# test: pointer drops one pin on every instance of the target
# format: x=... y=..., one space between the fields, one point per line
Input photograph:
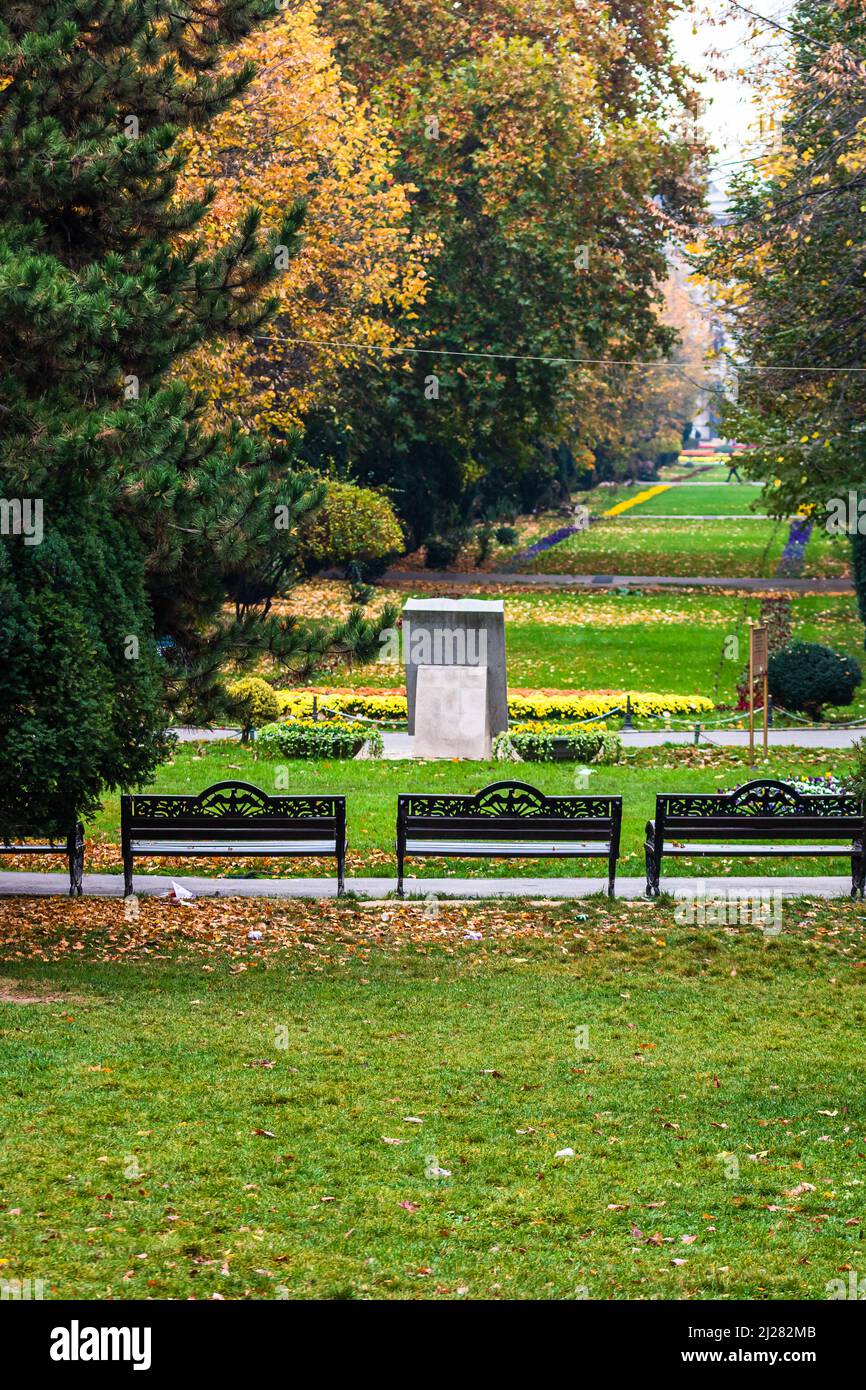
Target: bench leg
x=75 y=853
x=127 y=874
x=611 y=878
x=653 y=863
x=341 y=873
x=399 y=872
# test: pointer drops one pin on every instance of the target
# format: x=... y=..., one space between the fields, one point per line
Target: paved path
x=495 y=579
x=399 y=745
x=111 y=886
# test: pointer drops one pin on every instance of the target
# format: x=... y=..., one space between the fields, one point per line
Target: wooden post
x=757 y=667
x=751 y=697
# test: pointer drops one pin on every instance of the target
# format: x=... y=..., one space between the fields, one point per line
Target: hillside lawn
x=368 y=1103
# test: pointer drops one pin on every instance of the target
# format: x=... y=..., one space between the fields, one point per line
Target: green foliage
x=352 y=524
x=151 y=521
x=253 y=702
x=806 y=676
x=442 y=551
x=80 y=677
x=327 y=738
x=540 y=746
x=790 y=259
x=545 y=141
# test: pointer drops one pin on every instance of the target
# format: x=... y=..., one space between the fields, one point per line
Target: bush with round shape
x=254 y=703
x=807 y=676
x=327 y=738
x=352 y=524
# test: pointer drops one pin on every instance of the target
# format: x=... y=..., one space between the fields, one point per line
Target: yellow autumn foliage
x=300 y=131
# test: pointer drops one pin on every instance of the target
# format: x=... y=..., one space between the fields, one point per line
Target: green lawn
x=187 y=1116
x=726 y=499
x=372 y=788
x=634 y=543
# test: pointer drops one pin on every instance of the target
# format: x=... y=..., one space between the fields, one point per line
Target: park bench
x=508 y=820
x=232 y=818
x=19 y=840
x=759 y=818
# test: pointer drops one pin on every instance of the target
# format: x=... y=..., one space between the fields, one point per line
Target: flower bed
x=298 y=705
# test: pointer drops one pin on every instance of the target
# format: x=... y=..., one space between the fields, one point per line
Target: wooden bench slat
x=246 y=847
x=510 y=848
x=728 y=849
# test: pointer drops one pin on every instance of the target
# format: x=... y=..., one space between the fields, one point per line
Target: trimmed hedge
x=298 y=704
x=541 y=745
x=807 y=676
x=253 y=702
x=328 y=738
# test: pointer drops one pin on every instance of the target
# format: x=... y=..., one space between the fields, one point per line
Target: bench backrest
x=511 y=809
x=237 y=808
x=757 y=810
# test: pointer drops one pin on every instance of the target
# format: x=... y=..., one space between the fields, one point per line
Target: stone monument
x=454 y=654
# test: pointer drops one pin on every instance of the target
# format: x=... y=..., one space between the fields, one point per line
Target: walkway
x=148 y=885
x=399 y=745
x=487 y=579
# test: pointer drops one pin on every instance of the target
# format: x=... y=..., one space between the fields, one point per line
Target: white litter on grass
x=254 y=935
x=178 y=894
x=564 y=1153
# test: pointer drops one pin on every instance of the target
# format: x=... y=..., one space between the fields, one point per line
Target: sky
x=729 y=116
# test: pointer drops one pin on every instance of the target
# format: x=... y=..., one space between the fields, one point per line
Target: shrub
x=253 y=702
x=806 y=676
x=353 y=523
x=538 y=745
x=506 y=535
x=442 y=551
x=328 y=738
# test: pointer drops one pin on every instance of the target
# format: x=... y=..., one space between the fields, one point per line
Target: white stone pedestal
x=452 y=713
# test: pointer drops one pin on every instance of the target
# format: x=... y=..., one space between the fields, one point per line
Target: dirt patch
x=13 y=992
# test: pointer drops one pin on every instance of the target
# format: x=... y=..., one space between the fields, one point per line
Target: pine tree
x=164 y=544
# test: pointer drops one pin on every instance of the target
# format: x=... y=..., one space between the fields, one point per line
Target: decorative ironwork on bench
x=517 y=799
x=769 y=815
x=240 y=799
x=764 y=797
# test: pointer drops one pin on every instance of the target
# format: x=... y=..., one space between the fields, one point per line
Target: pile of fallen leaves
x=252 y=931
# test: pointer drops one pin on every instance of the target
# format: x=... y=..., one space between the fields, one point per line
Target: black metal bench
x=70 y=844
x=509 y=820
x=232 y=818
x=761 y=817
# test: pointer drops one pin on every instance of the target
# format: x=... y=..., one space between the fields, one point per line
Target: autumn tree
x=790 y=267
x=300 y=133
x=535 y=136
